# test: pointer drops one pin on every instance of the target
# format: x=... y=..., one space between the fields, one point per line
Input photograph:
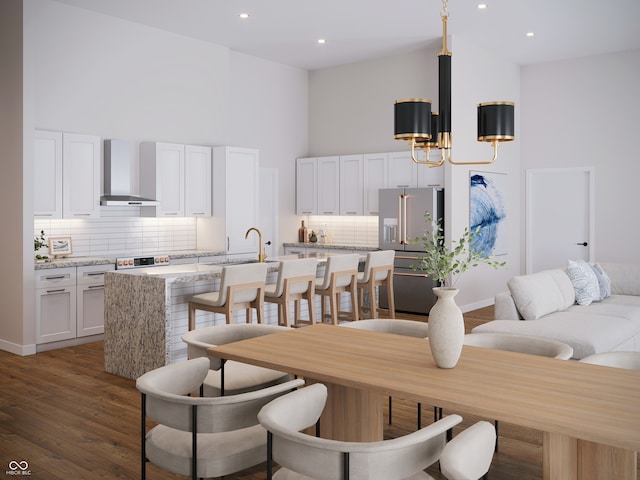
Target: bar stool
x=341 y=275
x=241 y=287
x=296 y=281
x=378 y=270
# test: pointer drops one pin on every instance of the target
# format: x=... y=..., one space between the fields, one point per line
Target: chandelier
x=424 y=130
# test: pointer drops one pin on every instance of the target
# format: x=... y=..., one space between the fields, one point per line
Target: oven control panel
x=137 y=262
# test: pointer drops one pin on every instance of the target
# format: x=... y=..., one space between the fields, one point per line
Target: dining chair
x=302 y=456
x=544 y=347
x=378 y=271
x=340 y=276
x=227 y=377
x=410 y=328
x=628 y=360
x=200 y=437
x=241 y=287
x=296 y=281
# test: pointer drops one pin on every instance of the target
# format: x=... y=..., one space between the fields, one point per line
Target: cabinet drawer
x=56 y=277
x=92 y=275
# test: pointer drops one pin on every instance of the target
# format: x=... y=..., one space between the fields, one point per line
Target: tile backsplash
x=117 y=232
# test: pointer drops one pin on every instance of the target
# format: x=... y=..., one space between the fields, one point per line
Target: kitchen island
x=146 y=312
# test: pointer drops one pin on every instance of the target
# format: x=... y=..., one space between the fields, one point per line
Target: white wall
x=352 y=105
x=582 y=113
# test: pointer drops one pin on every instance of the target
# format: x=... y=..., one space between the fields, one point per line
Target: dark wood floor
x=66 y=417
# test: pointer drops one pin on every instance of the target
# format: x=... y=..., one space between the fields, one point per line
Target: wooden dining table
x=589 y=414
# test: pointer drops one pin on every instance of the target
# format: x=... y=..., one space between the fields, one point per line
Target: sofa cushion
x=604 y=282
x=584 y=282
x=600 y=327
x=541 y=293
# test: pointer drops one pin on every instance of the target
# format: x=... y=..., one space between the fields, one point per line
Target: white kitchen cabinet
x=351 y=181
x=47 y=164
x=306 y=186
x=235 y=197
x=55 y=298
x=328 y=185
x=431 y=176
x=90 y=299
x=162 y=178
x=402 y=171
x=197 y=173
x=80 y=176
x=374 y=174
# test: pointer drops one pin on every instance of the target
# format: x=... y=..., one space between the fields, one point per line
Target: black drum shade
x=496 y=122
x=412 y=119
x=435 y=128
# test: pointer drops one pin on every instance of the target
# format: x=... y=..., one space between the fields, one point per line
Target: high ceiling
x=286 y=31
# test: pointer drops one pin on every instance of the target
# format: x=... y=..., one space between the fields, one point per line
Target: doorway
x=559 y=217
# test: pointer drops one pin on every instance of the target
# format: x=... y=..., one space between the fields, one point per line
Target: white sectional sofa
x=544 y=304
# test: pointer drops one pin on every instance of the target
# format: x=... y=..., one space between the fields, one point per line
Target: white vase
x=446 y=328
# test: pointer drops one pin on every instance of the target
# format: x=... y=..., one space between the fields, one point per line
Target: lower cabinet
x=69 y=303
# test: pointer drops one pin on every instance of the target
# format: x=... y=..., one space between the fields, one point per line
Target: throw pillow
x=584 y=282
x=604 y=281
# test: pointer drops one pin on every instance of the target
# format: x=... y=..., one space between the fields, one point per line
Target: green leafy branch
x=39 y=241
x=445 y=264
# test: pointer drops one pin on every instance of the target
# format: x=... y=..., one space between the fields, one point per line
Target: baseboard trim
x=22 y=350
x=476 y=305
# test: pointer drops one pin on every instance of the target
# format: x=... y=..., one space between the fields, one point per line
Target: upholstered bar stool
x=241 y=287
x=378 y=270
x=296 y=281
x=340 y=276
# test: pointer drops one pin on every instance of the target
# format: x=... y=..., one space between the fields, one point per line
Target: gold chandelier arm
x=495 y=157
x=427 y=151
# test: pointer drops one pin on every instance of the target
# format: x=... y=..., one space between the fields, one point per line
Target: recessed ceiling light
x=531 y=34
x=322 y=41
x=244 y=15
x=482 y=6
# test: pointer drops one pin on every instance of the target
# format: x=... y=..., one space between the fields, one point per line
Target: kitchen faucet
x=261 y=255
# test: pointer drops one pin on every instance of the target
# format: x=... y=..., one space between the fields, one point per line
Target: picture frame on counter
x=60 y=246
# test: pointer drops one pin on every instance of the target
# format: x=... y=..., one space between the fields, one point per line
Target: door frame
x=530 y=173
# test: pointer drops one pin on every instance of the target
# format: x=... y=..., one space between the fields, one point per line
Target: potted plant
x=445 y=264
x=39 y=242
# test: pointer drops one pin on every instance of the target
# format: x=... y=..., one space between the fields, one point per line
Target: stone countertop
x=333 y=246
x=106 y=260
x=190 y=272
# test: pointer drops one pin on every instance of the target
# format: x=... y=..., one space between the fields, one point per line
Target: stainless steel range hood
x=118 y=156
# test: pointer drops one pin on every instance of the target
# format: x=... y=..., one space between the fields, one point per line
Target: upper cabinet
x=47 y=159
x=328 y=185
x=162 y=178
x=374 y=173
x=66 y=175
x=178 y=177
x=351 y=182
x=235 y=197
x=197 y=172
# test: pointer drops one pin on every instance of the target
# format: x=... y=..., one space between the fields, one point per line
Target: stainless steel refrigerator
x=401 y=220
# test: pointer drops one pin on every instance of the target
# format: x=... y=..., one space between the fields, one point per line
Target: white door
x=559 y=217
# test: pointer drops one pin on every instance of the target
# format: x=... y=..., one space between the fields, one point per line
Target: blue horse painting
x=487 y=211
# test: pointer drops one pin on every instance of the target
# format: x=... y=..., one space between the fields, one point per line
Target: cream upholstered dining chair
x=296 y=281
x=340 y=276
x=241 y=287
x=544 y=347
x=628 y=360
x=303 y=457
x=410 y=328
x=227 y=377
x=378 y=271
x=201 y=437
